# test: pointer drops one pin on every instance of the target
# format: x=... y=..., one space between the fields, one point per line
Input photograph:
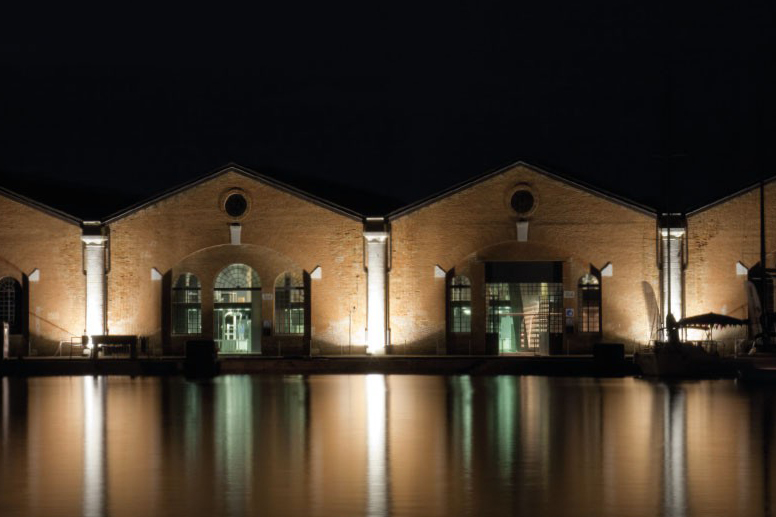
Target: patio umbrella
x=709 y=321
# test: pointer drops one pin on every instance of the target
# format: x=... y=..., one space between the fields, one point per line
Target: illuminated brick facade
x=41 y=250
x=326 y=274
x=464 y=229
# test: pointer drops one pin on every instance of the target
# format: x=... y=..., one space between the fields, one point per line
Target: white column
x=673 y=297
x=94 y=268
x=376 y=269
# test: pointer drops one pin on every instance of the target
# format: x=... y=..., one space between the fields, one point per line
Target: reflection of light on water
x=464 y=401
x=377 y=494
x=674 y=496
x=507 y=421
x=6 y=411
x=192 y=417
x=234 y=434
x=94 y=447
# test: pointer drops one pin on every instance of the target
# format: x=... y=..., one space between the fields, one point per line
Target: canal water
x=379 y=445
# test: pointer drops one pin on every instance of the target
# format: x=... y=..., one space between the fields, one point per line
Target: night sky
x=373 y=108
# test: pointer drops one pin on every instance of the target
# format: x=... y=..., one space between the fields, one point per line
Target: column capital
x=372 y=236
x=94 y=240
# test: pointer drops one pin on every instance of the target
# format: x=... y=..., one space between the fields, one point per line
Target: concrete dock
x=579 y=365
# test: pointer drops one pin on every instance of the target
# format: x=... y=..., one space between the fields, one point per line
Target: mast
x=763 y=272
x=668 y=273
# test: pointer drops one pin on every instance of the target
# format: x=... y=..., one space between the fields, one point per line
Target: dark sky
x=669 y=105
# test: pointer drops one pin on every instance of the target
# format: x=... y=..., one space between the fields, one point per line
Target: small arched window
x=589 y=304
x=460 y=304
x=187 y=305
x=11 y=304
x=289 y=304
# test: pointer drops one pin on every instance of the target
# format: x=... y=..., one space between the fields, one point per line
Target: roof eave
x=233 y=167
x=745 y=190
x=53 y=212
x=488 y=175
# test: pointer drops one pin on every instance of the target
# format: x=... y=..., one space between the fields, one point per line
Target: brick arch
x=472 y=265
x=208 y=262
x=9 y=269
x=517 y=251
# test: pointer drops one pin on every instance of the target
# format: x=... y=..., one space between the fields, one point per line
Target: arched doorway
x=11 y=304
x=237 y=310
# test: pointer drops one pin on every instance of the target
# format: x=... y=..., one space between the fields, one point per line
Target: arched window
x=11 y=304
x=237 y=310
x=589 y=304
x=289 y=304
x=460 y=304
x=187 y=305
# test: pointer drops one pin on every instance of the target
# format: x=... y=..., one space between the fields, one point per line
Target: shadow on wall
x=46 y=336
x=653 y=311
x=431 y=344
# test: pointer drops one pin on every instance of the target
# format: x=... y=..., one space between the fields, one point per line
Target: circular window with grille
x=522 y=200
x=235 y=203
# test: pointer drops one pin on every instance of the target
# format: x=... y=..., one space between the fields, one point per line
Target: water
x=385 y=445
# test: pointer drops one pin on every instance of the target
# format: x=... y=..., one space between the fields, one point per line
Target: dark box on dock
x=609 y=352
x=201 y=358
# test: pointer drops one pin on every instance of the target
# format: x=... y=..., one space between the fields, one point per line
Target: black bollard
x=201 y=358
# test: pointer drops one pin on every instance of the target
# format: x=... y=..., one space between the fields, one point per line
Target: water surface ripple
x=379 y=445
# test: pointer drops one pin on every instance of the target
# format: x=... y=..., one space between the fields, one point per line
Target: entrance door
x=525 y=305
x=237 y=310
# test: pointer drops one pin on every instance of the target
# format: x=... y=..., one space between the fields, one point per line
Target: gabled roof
x=488 y=175
x=725 y=199
x=53 y=212
x=232 y=167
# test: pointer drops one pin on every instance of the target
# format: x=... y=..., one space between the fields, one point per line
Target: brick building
x=518 y=260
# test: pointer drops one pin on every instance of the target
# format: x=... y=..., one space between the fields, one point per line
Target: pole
x=668 y=274
x=350 y=330
x=763 y=273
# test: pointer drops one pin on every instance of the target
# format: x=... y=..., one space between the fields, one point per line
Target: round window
x=522 y=201
x=236 y=205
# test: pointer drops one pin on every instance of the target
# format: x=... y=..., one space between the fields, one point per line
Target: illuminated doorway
x=525 y=306
x=237 y=310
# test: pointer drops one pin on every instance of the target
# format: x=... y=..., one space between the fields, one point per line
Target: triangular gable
x=53 y=212
x=244 y=172
x=725 y=199
x=487 y=176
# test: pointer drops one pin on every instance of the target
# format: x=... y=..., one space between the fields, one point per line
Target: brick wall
x=718 y=238
x=32 y=238
x=477 y=224
x=281 y=231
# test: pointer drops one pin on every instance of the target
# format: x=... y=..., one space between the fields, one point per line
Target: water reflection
x=674 y=459
x=95 y=473
x=377 y=454
x=384 y=445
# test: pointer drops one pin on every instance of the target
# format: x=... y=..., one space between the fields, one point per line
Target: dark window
x=461 y=304
x=589 y=304
x=186 y=305
x=522 y=201
x=236 y=205
x=289 y=304
x=11 y=304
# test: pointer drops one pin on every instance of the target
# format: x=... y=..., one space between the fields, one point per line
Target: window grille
x=545 y=310
x=589 y=304
x=187 y=305
x=289 y=304
x=235 y=284
x=10 y=304
x=461 y=304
